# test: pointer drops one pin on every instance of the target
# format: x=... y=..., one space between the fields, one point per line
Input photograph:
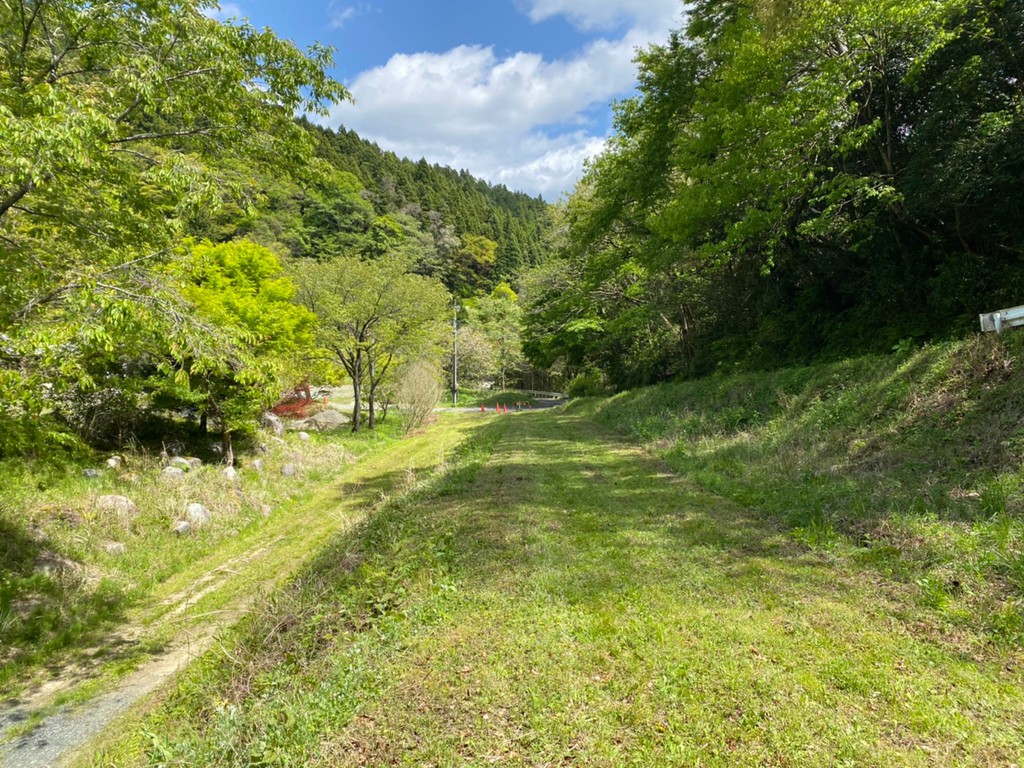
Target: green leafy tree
x=113 y=116
x=372 y=314
x=256 y=332
x=499 y=317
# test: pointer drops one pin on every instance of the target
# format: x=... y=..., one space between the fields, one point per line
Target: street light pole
x=455 y=356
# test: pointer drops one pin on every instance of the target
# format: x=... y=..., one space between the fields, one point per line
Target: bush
x=418 y=392
x=588 y=384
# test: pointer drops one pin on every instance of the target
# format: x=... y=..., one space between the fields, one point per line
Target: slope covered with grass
x=912 y=463
x=559 y=597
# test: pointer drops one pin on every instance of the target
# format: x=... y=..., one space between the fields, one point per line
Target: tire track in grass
x=244 y=577
x=559 y=598
x=607 y=613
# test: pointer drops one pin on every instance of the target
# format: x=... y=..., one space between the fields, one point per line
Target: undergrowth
x=911 y=462
x=70 y=569
x=295 y=663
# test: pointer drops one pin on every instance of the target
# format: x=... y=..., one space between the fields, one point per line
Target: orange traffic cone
x=505 y=407
x=483 y=408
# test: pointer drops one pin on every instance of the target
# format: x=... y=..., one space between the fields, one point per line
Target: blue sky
x=516 y=91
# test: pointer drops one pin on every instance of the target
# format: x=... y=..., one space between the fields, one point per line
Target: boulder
x=115 y=548
x=181 y=463
x=114 y=462
x=304 y=437
x=173 y=473
x=328 y=420
x=90 y=474
x=52 y=564
x=273 y=423
x=198 y=515
x=288 y=470
x=194 y=463
x=181 y=527
x=231 y=474
x=122 y=506
x=257 y=465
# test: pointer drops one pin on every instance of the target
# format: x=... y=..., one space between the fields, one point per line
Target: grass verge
x=555 y=598
x=910 y=463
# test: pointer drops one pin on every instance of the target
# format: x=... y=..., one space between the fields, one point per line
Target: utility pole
x=455 y=355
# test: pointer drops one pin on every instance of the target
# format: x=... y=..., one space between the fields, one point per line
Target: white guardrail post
x=1004 y=318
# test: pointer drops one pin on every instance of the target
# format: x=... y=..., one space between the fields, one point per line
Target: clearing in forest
x=558 y=598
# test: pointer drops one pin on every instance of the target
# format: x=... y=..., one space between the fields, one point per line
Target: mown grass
x=555 y=598
x=913 y=463
x=49 y=514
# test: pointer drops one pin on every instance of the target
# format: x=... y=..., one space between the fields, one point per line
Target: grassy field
x=72 y=633
x=553 y=597
x=912 y=464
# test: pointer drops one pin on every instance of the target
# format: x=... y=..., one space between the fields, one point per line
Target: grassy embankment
x=71 y=603
x=913 y=464
x=558 y=597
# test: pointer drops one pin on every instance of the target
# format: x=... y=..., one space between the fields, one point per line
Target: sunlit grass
x=553 y=598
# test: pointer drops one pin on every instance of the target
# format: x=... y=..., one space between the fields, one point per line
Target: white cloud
x=520 y=120
x=606 y=14
x=339 y=14
x=225 y=11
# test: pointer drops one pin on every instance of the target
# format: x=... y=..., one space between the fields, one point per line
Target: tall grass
x=911 y=461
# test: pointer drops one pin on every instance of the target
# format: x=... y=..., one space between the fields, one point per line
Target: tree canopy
x=796 y=179
x=115 y=118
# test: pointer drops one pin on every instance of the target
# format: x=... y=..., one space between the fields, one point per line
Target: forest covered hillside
x=796 y=181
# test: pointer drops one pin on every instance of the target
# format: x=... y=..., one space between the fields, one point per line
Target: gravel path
x=60 y=737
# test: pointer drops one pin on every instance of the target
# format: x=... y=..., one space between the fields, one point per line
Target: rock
x=231 y=474
x=288 y=470
x=52 y=564
x=181 y=463
x=120 y=505
x=115 y=548
x=181 y=527
x=329 y=420
x=194 y=463
x=217 y=448
x=91 y=474
x=174 y=447
x=114 y=462
x=273 y=423
x=173 y=473
x=199 y=515
x=304 y=437
x=257 y=465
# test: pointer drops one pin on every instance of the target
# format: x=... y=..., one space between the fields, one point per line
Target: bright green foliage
x=110 y=115
x=474 y=263
x=797 y=179
x=499 y=318
x=372 y=314
x=241 y=294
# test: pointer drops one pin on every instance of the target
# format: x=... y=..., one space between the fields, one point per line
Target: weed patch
x=911 y=461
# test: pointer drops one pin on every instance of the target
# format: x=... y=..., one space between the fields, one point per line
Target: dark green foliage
x=448 y=213
x=798 y=180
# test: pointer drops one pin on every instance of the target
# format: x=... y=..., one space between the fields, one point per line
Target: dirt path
x=289 y=541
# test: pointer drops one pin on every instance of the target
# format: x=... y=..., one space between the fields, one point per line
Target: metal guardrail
x=544 y=395
x=1004 y=318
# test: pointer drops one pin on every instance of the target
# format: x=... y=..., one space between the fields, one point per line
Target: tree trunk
x=202 y=423
x=229 y=450
x=357 y=406
x=372 y=422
